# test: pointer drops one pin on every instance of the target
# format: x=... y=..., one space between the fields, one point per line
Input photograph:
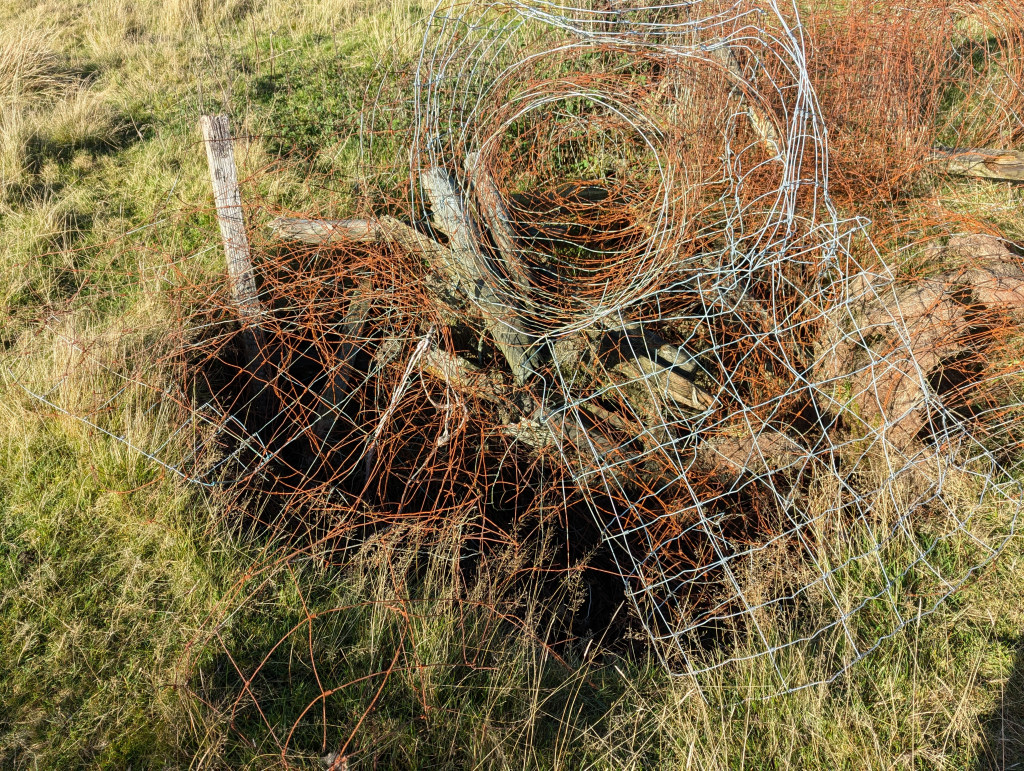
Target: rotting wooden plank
x=997 y=165
x=639 y=357
x=663 y=382
x=220 y=157
x=317 y=232
x=495 y=215
x=463 y=266
x=380 y=230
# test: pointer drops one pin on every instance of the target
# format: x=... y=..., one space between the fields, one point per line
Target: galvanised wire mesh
x=756 y=406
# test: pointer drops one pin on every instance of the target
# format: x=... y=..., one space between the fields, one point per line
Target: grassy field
x=111 y=570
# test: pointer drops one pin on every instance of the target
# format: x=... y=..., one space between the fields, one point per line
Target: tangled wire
x=754 y=404
x=681 y=270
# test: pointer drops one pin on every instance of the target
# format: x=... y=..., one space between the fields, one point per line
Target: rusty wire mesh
x=723 y=314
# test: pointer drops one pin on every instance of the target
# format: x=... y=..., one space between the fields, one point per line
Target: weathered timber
x=463 y=264
x=728 y=459
x=221 y=159
x=941 y=319
x=382 y=230
x=663 y=382
x=495 y=215
x=635 y=356
x=318 y=232
x=663 y=370
x=379 y=230
x=999 y=165
x=464 y=376
x=652 y=357
x=241 y=278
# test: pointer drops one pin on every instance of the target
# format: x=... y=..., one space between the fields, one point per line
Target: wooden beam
x=226 y=196
x=998 y=165
x=323 y=232
x=663 y=382
x=463 y=265
x=381 y=230
x=495 y=215
x=378 y=230
x=220 y=157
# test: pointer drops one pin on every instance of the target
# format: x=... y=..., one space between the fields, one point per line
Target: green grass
x=136 y=608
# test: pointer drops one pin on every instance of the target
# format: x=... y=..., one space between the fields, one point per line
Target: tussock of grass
x=15 y=134
x=29 y=64
x=175 y=16
x=82 y=119
x=29 y=69
x=48 y=109
x=40 y=260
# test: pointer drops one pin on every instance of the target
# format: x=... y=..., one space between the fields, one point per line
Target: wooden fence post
x=220 y=156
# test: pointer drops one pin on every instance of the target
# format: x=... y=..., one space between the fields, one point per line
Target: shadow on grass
x=1003 y=746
